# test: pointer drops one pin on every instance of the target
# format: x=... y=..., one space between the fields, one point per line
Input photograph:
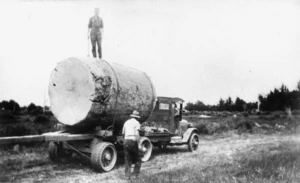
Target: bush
x=263 y=117
x=10 y=105
x=36 y=111
x=219 y=127
x=296 y=112
x=276 y=116
x=245 y=114
x=7 y=115
x=31 y=107
x=42 y=119
x=48 y=113
x=202 y=128
x=266 y=112
x=245 y=126
x=18 y=113
x=19 y=129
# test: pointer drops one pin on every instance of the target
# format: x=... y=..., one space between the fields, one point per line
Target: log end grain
x=70 y=88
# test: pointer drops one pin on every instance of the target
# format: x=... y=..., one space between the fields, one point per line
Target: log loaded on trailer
x=93 y=98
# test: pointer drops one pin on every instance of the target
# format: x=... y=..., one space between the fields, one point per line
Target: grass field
x=230 y=158
x=270 y=123
x=266 y=153
x=274 y=163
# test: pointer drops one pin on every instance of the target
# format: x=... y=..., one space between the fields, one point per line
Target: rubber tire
x=55 y=151
x=146 y=155
x=97 y=153
x=190 y=142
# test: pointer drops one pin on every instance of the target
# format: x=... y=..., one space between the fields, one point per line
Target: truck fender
x=188 y=133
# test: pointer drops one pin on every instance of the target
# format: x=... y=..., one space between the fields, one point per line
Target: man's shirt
x=95 y=24
x=130 y=129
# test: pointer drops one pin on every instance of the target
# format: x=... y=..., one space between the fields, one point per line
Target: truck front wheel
x=103 y=156
x=193 y=142
x=145 y=146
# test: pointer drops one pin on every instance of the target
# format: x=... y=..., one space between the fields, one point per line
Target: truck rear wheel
x=146 y=148
x=104 y=156
x=193 y=142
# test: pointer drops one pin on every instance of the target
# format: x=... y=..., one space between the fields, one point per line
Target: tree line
x=13 y=106
x=278 y=99
x=224 y=105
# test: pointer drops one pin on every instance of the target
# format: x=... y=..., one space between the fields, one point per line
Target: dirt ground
x=212 y=150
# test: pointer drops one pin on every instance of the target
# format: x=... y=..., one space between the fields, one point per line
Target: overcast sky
x=196 y=50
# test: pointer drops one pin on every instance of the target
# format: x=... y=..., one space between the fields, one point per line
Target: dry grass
x=30 y=157
x=223 y=156
x=281 y=166
x=233 y=158
x=265 y=124
x=280 y=163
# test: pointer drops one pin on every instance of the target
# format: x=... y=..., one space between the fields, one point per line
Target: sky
x=196 y=50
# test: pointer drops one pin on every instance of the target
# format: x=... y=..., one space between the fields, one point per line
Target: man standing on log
x=95 y=32
x=131 y=148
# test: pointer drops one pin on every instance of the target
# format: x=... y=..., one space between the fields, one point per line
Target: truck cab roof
x=170 y=100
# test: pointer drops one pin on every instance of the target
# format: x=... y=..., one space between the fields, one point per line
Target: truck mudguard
x=188 y=133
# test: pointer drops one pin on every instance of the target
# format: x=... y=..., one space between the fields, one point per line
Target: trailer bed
x=46 y=137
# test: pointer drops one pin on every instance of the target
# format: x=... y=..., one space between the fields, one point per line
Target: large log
x=92 y=92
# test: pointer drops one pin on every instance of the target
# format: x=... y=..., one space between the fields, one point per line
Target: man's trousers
x=132 y=156
x=96 y=39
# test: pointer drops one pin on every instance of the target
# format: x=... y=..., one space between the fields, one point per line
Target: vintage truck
x=92 y=99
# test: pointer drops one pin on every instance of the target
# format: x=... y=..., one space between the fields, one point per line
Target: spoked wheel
x=193 y=142
x=146 y=148
x=104 y=156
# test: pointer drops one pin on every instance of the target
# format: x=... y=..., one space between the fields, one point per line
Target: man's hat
x=135 y=114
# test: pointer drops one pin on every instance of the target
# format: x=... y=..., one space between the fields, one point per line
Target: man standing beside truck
x=131 y=148
x=95 y=33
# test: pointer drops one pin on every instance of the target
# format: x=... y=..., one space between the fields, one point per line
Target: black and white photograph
x=150 y=91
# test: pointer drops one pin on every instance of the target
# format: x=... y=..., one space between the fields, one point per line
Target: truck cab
x=165 y=126
x=167 y=114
